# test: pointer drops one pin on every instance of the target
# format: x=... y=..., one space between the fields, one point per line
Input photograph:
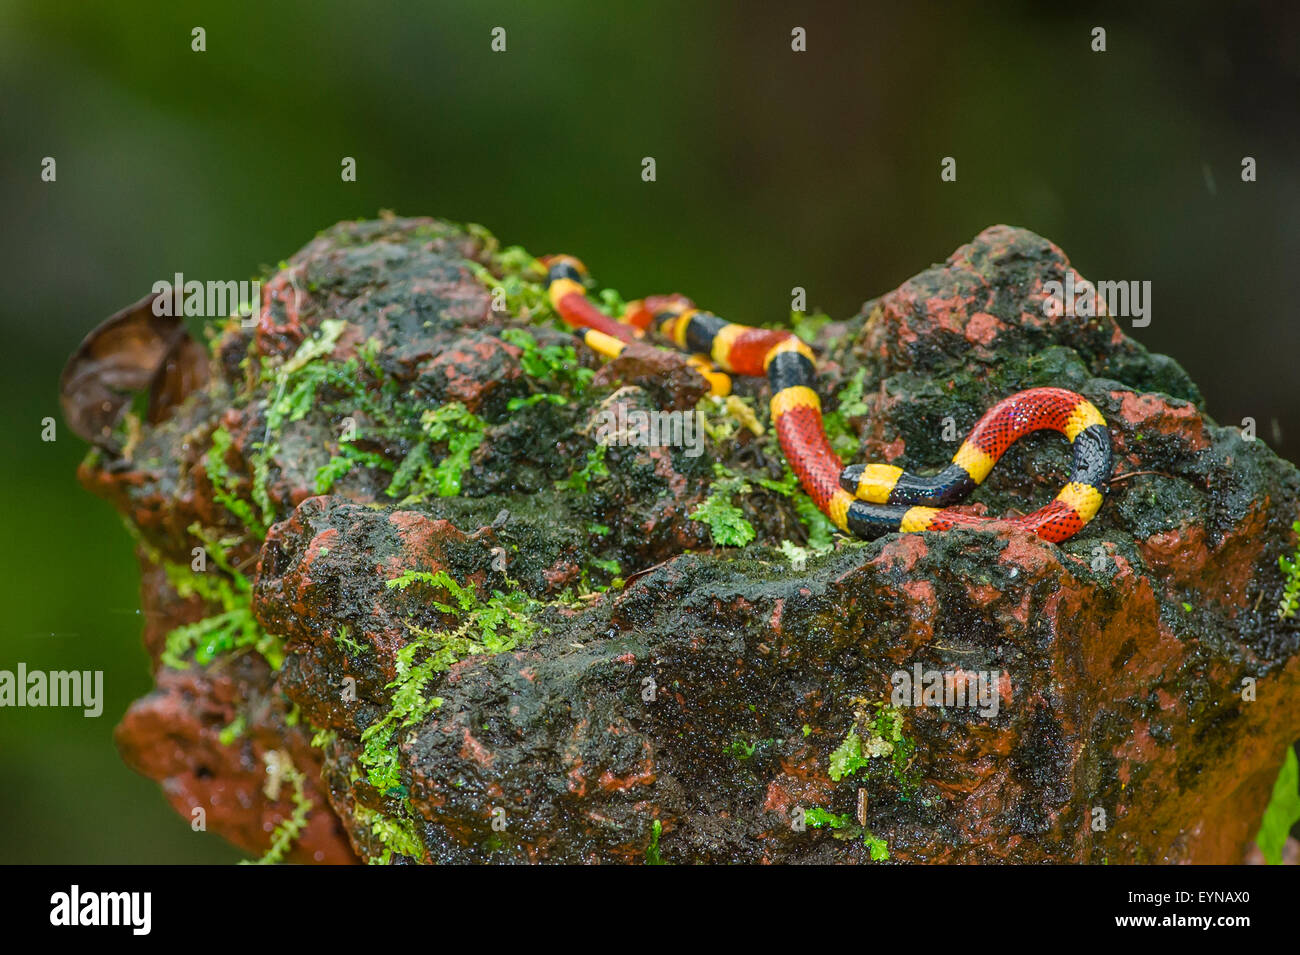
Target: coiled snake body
x=867 y=500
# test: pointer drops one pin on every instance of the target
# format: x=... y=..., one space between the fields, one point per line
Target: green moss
x=514 y=404
x=395 y=835
x=844 y=827
x=294 y=386
x=883 y=737
x=874 y=749
x=348 y=645
x=223 y=483
x=807 y=324
x=461 y=431
x=288 y=831
x=594 y=468
x=553 y=366
x=611 y=303
x=825 y=819
x=878 y=848
x=490 y=626
x=326 y=475
x=847 y=758
x=796 y=555
x=440 y=441
x=652 y=856
x=233 y=628
x=518 y=274
x=233 y=730
x=518 y=295
x=727 y=523
x=740 y=748
x=484 y=626
x=848 y=404
x=821 y=532
x=1290 y=601
x=342 y=463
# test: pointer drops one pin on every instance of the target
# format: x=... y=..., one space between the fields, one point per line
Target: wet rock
x=229 y=785
x=511 y=642
x=472 y=371
x=666 y=374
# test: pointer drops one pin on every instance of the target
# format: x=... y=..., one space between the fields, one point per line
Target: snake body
x=866 y=500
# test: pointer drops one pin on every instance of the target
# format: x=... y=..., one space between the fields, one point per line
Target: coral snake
x=867 y=500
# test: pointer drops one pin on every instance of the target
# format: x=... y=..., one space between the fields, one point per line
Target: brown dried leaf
x=129 y=352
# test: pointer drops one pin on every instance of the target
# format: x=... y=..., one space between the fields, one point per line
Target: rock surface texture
x=473 y=633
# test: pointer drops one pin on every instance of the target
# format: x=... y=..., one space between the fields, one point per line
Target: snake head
x=566 y=266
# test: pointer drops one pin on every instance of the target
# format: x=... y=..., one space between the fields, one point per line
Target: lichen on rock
x=481 y=634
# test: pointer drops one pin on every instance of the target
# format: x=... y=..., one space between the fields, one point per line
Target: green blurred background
x=775 y=169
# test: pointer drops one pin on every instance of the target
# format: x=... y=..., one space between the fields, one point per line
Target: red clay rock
x=1145 y=689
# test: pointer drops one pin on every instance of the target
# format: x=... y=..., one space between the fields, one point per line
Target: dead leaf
x=130 y=352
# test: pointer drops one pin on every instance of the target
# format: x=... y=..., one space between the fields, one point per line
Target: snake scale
x=866 y=500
